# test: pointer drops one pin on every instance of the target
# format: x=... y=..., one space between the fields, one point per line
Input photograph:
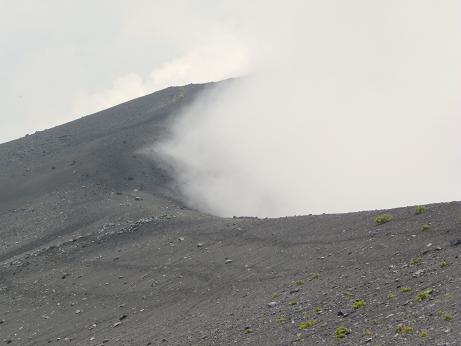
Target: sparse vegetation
x=391 y=296
x=383 y=218
x=423 y=333
x=425 y=227
x=315 y=276
x=404 y=329
x=415 y=261
x=423 y=295
x=359 y=303
x=405 y=289
x=420 y=209
x=443 y=264
x=293 y=302
x=306 y=324
x=318 y=310
x=298 y=282
x=281 y=320
x=446 y=316
x=341 y=332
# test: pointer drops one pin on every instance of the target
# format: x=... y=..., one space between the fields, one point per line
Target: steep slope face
x=96 y=249
x=76 y=176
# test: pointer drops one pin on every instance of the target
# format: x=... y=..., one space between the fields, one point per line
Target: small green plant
x=281 y=320
x=405 y=289
x=383 y=218
x=423 y=295
x=443 y=264
x=306 y=324
x=425 y=227
x=391 y=296
x=420 y=209
x=315 y=276
x=415 y=261
x=341 y=332
x=293 y=302
x=248 y=330
x=404 y=329
x=424 y=333
x=448 y=317
x=444 y=315
x=276 y=295
x=318 y=310
x=298 y=282
x=359 y=303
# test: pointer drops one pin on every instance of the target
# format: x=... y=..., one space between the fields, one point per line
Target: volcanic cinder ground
x=96 y=248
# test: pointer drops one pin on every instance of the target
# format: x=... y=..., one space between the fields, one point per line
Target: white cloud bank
x=213 y=62
x=350 y=106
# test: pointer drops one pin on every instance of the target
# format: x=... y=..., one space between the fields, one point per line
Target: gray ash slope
x=96 y=248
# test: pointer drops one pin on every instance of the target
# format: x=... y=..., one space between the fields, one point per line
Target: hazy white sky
x=60 y=59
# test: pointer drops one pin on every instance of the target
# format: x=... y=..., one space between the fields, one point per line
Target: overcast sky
x=62 y=59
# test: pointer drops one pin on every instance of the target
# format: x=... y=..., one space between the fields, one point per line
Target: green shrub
x=306 y=324
x=444 y=315
x=298 y=282
x=383 y=218
x=443 y=264
x=425 y=227
x=315 y=276
x=448 y=317
x=423 y=333
x=415 y=261
x=423 y=295
x=359 y=303
x=420 y=209
x=405 y=289
x=403 y=329
x=341 y=332
x=391 y=296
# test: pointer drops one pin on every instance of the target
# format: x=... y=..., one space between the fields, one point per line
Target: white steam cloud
x=350 y=105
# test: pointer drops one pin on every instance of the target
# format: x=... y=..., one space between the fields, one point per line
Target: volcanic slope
x=97 y=249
